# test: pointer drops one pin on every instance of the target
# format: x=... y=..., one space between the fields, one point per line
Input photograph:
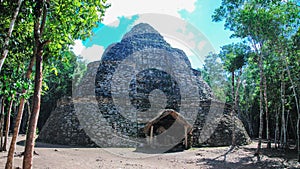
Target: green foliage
x=80 y=69
x=58 y=76
x=65 y=22
x=12 y=81
x=214 y=75
x=272 y=29
x=20 y=50
x=258 y=20
x=71 y=20
x=233 y=56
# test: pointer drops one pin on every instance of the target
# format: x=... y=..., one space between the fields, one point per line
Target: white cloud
x=115 y=23
x=132 y=7
x=90 y=54
x=77 y=47
x=93 y=53
x=177 y=44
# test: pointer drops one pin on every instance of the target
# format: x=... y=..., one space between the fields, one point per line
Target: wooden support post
x=151 y=135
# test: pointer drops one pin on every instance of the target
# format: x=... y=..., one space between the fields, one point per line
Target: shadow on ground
x=270 y=158
x=47 y=145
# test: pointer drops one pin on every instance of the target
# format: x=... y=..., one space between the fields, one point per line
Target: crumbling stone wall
x=63 y=127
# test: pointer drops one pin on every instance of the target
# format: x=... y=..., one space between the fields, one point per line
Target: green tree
x=214 y=75
x=59 y=23
x=11 y=28
x=233 y=57
x=11 y=82
x=58 y=75
x=55 y=26
x=259 y=22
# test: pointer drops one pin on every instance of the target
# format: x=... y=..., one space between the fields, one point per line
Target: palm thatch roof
x=168 y=131
x=164 y=120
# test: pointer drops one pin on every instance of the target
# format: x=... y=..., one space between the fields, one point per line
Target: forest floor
x=63 y=157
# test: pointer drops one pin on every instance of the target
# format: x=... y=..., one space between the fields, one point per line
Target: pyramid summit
x=141 y=28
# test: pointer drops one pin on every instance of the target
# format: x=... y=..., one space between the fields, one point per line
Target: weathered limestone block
x=63 y=127
x=222 y=135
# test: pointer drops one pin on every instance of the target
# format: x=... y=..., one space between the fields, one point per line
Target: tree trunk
x=40 y=12
x=7 y=39
x=287 y=124
x=233 y=141
x=236 y=106
x=276 y=129
x=1 y=124
x=10 y=157
x=261 y=111
x=249 y=122
x=294 y=131
x=267 y=112
x=30 y=138
x=236 y=99
x=296 y=103
x=8 y=123
x=29 y=114
x=249 y=117
x=283 y=128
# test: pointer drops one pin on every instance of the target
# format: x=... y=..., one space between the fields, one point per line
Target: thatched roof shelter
x=168 y=129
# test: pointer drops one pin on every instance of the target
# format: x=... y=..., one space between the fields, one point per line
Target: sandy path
x=60 y=157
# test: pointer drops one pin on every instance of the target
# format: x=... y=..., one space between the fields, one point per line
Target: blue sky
x=201 y=18
x=123 y=14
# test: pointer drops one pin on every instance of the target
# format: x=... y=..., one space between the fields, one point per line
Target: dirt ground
x=62 y=157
